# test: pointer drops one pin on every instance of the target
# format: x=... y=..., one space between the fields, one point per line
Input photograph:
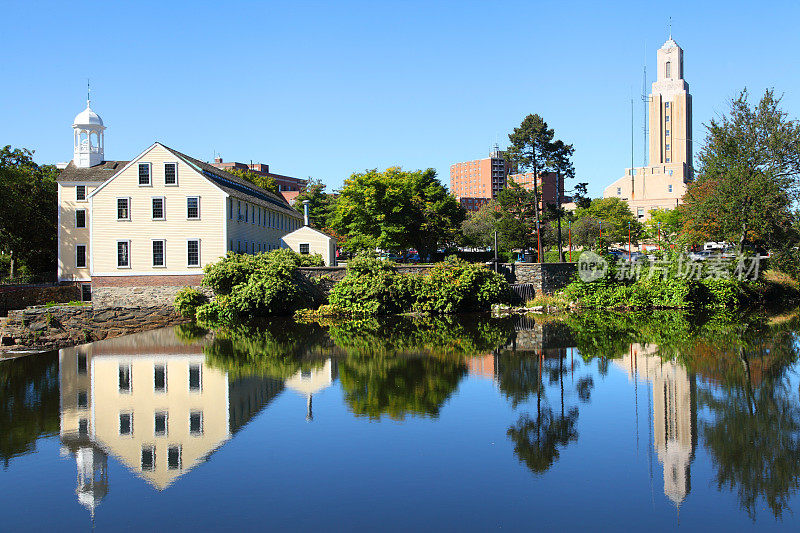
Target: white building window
x=123 y=254
x=666 y=118
x=160 y=424
x=195 y=378
x=159 y=246
x=80 y=218
x=667 y=146
x=170 y=173
x=80 y=256
x=193 y=252
x=196 y=423
x=193 y=207
x=160 y=378
x=174 y=461
x=148 y=458
x=619 y=191
x=123 y=208
x=125 y=379
x=144 y=174
x=158 y=208
x=80 y=193
x=304 y=249
x=669 y=188
x=668 y=70
x=640 y=212
x=126 y=424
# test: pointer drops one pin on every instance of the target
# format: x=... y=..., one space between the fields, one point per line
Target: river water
x=648 y=422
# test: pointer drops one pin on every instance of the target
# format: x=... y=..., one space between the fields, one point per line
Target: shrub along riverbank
x=270 y=284
x=674 y=282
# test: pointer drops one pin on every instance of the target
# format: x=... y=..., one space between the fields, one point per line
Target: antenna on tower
x=88 y=93
x=670 y=27
x=645 y=101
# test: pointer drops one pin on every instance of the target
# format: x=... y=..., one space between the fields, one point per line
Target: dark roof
x=234 y=185
x=99 y=173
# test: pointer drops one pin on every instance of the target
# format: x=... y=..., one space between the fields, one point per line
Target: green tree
x=320 y=203
x=747 y=179
x=396 y=210
x=580 y=195
x=265 y=182
x=665 y=225
x=479 y=227
x=615 y=216
x=561 y=163
x=28 y=211
x=517 y=221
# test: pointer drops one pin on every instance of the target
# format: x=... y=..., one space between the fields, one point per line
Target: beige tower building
x=662 y=184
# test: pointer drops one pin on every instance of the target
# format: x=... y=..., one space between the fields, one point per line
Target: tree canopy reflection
x=29 y=403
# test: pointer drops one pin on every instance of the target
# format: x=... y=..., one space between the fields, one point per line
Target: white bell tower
x=88 y=141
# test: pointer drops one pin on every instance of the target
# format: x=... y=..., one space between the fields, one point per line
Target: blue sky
x=326 y=89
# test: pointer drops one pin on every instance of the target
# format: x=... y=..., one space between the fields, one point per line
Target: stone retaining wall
x=21 y=296
x=58 y=326
x=132 y=297
x=547 y=278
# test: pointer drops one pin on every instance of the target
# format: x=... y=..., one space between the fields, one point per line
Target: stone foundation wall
x=21 y=296
x=58 y=326
x=547 y=278
x=131 y=297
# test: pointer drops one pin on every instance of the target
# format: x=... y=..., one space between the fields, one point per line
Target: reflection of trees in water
x=397 y=386
x=29 y=403
x=539 y=438
x=754 y=432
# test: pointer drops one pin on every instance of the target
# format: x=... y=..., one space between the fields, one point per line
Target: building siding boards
x=175 y=229
x=318 y=243
x=69 y=236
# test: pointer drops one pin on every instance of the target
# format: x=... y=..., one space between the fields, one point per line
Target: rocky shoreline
x=43 y=328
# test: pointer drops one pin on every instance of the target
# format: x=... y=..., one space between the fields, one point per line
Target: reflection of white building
x=310 y=382
x=151 y=402
x=674 y=415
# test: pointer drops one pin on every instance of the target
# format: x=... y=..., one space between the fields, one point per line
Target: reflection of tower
x=92 y=476
x=674 y=415
x=310 y=382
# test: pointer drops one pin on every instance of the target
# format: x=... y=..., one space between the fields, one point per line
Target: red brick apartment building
x=547 y=186
x=476 y=182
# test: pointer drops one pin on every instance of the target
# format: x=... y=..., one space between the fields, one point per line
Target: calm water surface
x=637 y=422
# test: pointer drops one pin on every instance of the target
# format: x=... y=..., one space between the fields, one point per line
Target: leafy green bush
x=188 y=300
x=372 y=287
x=455 y=286
x=667 y=288
x=265 y=284
x=235 y=269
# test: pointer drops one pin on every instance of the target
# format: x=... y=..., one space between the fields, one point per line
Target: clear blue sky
x=326 y=89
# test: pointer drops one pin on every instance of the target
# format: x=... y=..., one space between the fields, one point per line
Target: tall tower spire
x=88 y=136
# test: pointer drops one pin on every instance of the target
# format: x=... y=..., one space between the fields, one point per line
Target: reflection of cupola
x=88 y=138
x=92 y=476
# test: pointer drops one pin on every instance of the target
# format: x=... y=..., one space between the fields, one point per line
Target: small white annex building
x=306 y=240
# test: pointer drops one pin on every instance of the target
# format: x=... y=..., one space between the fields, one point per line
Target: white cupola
x=87 y=129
